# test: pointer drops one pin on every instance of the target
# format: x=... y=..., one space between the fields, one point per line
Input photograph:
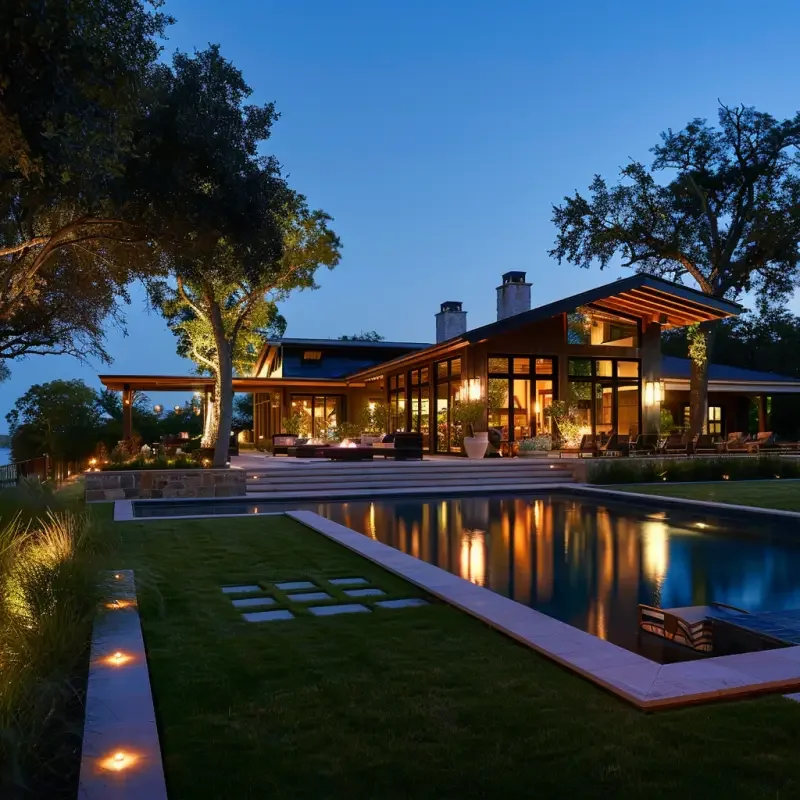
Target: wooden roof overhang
x=195 y=383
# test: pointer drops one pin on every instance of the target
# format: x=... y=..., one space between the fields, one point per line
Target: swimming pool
x=587 y=562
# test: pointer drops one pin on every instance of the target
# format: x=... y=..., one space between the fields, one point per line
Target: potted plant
x=536 y=446
x=469 y=414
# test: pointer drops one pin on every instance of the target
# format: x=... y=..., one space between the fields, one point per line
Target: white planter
x=476 y=447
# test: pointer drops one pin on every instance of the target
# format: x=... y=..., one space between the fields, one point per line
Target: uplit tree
x=74 y=81
x=727 y=220
x=237 y=238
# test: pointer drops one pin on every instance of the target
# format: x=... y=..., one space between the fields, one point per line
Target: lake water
x=5 y=456
x=586 y=563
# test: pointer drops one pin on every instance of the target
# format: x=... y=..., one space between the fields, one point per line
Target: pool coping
x=646 y=684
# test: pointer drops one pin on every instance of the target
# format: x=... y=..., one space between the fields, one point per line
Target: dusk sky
x=438 y=135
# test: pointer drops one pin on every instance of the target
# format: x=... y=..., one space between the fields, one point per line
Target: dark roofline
x=638 y=281
x=347 y=343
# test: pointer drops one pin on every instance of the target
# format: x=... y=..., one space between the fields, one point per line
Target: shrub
x=629 y=470
x=542 y=442
x=159 y=462
x=48 y=598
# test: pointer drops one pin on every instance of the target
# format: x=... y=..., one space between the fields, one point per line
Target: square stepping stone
x=288 y=586
x=241 y=589
x=250 y=602
x=365 y=593
x=268 y=616
x=348 y=581
x=309 y=597
x=411 y=602
x=331 y=611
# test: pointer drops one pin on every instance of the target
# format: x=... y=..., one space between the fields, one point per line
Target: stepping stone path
x=250 y=602
x=331 y=611
x=268 y=616
x=309 y=592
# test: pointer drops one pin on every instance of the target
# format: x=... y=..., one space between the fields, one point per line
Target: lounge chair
x=645 y=444
x=615 y=445
x=762 y=441
x=407 y=445
x=704 y=445
x=677 y=444
x=735 y=443
x=588 y=447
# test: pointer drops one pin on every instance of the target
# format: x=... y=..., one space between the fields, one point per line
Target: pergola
x=128 y=384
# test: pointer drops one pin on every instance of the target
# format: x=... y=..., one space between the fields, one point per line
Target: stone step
x=396 y=491
x=425 y=476
x=375 y=481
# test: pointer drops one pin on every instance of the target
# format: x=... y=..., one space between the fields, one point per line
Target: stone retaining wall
x=152 y=483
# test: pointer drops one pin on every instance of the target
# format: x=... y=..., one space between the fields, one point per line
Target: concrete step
x=443 y=476
x=396 y=491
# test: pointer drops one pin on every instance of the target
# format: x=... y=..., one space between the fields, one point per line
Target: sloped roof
x=358 y=343
x=680 y=369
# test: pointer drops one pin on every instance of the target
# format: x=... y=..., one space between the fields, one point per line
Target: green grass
x=422 y=702
x=784 y=495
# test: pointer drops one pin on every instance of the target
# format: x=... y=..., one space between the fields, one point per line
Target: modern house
x=601 y=348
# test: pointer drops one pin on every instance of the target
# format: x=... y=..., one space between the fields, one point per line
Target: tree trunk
x=224 y=387
x=211 y=416
x=701 y=345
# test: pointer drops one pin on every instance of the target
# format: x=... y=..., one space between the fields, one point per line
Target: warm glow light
x=371 y=407
x=206 y=462
x=347 y=443
x=656 y=550
x=118 y=604
x=471 y=389
x=119 y=760
x=117 y=576
x=473 y=556
x=118 y=659
x=726 y=477
x=701 y=525
x=92 y=461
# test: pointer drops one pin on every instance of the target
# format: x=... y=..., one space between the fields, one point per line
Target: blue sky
x=438 y=134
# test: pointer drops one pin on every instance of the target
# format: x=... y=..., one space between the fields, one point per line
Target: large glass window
x=519 y=392
x=593 y=326
x=606 y=395
x=713 y=424
x=397 y=403
x=449 y=436
x=319 y=414
x=420 y=405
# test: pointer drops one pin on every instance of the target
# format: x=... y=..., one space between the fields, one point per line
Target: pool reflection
x=587 y=564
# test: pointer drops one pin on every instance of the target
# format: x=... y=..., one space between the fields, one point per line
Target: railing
x=11 y=473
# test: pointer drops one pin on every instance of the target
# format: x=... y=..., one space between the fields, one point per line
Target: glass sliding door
x=420 y=403
x=319 y=414
x=449 y=436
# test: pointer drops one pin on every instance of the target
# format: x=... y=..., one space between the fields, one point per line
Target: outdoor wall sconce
x=471 y=389
x=653 y=393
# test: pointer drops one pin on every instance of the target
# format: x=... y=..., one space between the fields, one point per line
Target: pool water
x=584 y=562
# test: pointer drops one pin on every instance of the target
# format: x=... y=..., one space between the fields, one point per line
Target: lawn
x=422 y=702
x=766 y=494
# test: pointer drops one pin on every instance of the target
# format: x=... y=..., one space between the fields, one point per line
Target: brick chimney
x=451 y=321
x=513 y=295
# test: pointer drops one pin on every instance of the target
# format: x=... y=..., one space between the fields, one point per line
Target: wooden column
x=762 y=413
x=127 y=412
x=651 y=371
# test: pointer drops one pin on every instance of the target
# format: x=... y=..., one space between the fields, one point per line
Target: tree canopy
x=237 y=239
x=727 y=218
x=363 y=336
x=74 y=87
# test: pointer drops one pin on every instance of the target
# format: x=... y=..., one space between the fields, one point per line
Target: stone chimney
x=451 y=321
x=513 y=295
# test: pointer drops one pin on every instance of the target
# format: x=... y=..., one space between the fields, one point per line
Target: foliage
x=469 y=414
x=243 y=411
x=630 y=470
x=292 y=424
x=666 y=422
x=48 y=599
x=247 y=239
x=375 y=417
x=346 y=430
x=60 y=418
x=71 y=232
x=566 y=416
x=363 y=336
x=537 y=443
x=152 y=462
x=728 y=219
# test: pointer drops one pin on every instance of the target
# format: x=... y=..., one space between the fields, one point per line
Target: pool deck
x=634 y=678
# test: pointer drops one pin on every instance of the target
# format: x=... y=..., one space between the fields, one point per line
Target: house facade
x=600 y=349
